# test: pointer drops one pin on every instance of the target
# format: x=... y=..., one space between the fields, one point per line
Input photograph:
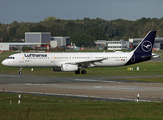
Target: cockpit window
x=11 y=58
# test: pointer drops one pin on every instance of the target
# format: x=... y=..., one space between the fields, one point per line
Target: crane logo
x=146 y=46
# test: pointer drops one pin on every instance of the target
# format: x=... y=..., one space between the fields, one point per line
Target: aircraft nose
x=4 y=62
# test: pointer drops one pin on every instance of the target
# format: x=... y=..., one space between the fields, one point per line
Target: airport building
x=4 y=47
x=41 y=39
x=117 y=45
x=100 y=44
x=36 y=39
x=157 y=45
x=112 y=45
x=15 y=46
x=59 y=41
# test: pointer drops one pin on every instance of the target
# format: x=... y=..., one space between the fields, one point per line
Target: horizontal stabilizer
x=151 y=56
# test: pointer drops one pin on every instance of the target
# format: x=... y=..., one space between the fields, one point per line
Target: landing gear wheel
x=77 y=72
x=20 y=72
x=83 y=72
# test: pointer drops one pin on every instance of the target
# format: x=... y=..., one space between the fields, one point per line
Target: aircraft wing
x=83 y=62
x=86 y=61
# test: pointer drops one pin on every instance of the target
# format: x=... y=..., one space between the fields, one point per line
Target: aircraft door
x=21 y=58
x=53 y=58
x=91 y=57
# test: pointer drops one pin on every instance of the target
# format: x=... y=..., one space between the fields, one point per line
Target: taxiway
x=110 y=88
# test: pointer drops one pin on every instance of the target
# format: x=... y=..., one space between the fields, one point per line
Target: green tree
x=51 y=18
x=12 y=31
x=96 y=32
x=148 y=27
x=38 y=28
x=97 y=28
x=144 y=20
x=82 y=39
x=110 y=30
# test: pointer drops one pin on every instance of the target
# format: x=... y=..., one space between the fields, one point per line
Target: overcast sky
x=37 y=10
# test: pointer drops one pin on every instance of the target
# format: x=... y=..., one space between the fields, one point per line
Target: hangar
x=59 y=41
x=32 y=39
x=37 y=39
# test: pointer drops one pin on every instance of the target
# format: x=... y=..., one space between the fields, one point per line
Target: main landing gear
x=82 y=72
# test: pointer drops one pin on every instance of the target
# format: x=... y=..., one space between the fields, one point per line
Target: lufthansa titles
x=35 y=55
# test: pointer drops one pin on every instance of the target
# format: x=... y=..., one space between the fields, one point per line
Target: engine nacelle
x=69 y=67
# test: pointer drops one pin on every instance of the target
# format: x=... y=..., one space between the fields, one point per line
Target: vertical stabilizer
x=146 y=44
x=143 y=51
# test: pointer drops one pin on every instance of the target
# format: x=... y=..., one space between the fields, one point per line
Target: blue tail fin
x=146 y=44
x=143 y=51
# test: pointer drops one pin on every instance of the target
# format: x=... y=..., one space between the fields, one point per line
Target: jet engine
x=69 y=67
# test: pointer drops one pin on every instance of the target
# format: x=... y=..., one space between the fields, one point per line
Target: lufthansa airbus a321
x=76 y=62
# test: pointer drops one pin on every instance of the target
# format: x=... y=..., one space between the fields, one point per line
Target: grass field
x=146 y=69
x=54 y=108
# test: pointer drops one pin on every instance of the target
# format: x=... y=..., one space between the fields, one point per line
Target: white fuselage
x=78 y=61
x=111 y=59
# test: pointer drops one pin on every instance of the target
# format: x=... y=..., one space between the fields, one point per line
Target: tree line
x=84 y=32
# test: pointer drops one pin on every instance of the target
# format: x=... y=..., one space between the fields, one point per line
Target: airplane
x=76 y=62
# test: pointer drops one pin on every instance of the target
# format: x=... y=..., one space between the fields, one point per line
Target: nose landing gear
x=20 y=72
